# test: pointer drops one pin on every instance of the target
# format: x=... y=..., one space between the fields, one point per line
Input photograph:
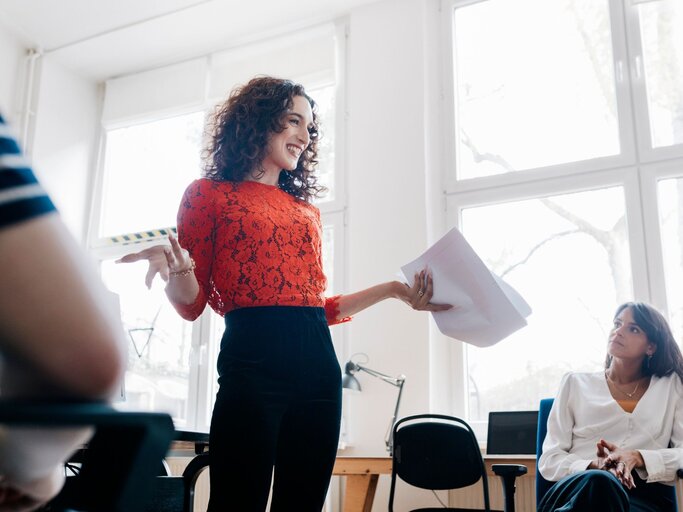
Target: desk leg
x=360 y=492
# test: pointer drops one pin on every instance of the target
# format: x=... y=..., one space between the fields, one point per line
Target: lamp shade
x=350 y=382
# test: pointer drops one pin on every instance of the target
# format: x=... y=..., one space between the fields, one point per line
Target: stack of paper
x=486 y=310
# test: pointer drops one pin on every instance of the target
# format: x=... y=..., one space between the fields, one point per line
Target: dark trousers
x=278 y=405
x=595 y=490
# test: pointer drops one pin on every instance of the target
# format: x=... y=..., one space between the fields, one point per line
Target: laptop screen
x=512 y=433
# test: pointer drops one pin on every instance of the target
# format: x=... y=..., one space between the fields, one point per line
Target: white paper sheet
x=488 y=309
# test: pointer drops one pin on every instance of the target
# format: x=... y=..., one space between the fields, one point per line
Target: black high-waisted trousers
x=278 y=404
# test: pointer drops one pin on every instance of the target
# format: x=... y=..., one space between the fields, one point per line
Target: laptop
x=512 y=433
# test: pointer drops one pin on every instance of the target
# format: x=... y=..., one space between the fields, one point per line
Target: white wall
x=388 y=224
x=62 y=133
x=65 y=141
x=11 y=52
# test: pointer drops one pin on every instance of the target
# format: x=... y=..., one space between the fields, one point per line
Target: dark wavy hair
x=667 y=359
x=239 y=131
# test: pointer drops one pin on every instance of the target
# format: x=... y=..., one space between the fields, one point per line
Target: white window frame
x=638 y=169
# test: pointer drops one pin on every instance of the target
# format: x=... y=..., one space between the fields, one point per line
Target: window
x=670 y=201
x=146 y=167
x=661 y=38
x=324 y=97
x=566 y=176
x=568 y=256
x=148 y=163
x=526 y=83
x=159 y=344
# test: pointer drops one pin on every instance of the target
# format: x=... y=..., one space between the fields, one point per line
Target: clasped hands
x=618 y=462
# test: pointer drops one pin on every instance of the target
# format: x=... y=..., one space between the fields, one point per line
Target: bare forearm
x=418 y=296
x=182 y=289
x=356 y=302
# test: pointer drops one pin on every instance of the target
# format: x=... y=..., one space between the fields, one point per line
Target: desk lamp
x=351 y=383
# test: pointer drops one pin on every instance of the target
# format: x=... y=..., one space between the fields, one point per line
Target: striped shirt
x=21 y=196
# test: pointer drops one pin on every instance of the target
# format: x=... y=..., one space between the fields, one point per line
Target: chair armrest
x=508 y=474
x=509 y=469
x=198 y=464
x=679 y=473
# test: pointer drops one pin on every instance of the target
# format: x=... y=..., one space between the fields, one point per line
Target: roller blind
x=305 y=56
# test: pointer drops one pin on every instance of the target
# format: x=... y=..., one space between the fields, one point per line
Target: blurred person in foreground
x=60 y=335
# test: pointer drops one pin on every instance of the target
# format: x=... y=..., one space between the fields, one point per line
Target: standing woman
x=615 y=437
x=249 y=244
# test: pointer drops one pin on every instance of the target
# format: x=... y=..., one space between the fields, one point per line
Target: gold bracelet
x=186 y=272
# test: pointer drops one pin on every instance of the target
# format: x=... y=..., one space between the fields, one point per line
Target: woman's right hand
x=619 y=462
x=163 y=259
x=419 y=295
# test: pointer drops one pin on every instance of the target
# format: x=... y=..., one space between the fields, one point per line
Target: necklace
x=630 y=395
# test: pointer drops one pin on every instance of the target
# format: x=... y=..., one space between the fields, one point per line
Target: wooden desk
x=361 y=475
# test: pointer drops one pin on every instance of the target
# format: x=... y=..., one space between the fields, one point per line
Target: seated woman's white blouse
x=585 y=412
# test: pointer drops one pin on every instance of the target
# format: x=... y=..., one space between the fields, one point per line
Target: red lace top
x=254 y=245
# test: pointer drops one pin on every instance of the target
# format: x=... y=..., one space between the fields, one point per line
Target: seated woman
x=615 y=437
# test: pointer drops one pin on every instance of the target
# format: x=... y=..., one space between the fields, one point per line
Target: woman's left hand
x=621 y=462
x=419 y=295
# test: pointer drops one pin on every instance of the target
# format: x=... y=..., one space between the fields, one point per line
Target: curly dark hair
x=667 y=359
x=239 y=131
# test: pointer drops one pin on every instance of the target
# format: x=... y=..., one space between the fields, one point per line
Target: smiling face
x=627 y=340
x=285 y=147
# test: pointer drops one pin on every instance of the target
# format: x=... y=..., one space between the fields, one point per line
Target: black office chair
x=176 y=493
x=438 y=452
x=122 y=458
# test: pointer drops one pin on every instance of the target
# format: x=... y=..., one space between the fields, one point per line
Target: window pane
x=325 y=99
x=534 y=84
x=328 y=257
x=146 y=170
x=670 y=204
x=661 y=25
x=159 y=343
x=568 y=256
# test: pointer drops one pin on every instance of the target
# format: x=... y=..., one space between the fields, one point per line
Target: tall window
x=566 y=176
x=146 y=168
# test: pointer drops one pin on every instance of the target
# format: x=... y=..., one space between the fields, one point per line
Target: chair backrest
x=434 y=451
x=542 y=485
x=122 y=458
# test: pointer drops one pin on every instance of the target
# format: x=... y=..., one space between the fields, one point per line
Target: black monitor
x=512 y=433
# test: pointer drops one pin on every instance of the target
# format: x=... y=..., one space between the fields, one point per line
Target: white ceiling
x=104 y=38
